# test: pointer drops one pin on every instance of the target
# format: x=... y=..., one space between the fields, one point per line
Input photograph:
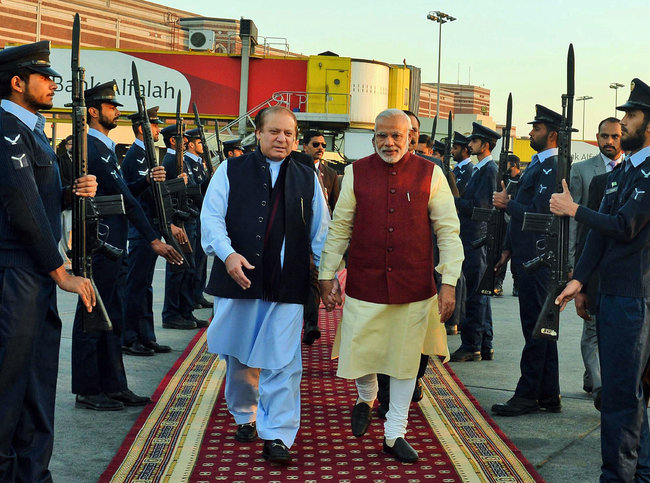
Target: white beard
x=392 y=159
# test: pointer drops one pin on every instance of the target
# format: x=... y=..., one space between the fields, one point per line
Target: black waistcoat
x=246 y=220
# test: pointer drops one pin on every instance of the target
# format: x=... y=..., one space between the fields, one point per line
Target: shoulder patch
x=13 y=141
x=20 y=161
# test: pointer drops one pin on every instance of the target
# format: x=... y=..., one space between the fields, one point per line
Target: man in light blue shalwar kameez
x=263 y=216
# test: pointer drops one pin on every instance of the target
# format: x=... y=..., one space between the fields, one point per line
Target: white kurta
x=389 y=338
x=259 y=333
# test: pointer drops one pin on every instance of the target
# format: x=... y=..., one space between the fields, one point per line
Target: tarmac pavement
x=564 y=447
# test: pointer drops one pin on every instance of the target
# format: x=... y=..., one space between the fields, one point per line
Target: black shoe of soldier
x=551 y=404
x=137 y=349
x=465 y=356
x=401 y=451
x=246 y=432
x=204 y=303
x=129 y=398
x=487 y=354
x=179 y=323
x=200 y=323
x=157 y=348
x=361 y=417
x=516 y=406
x=98 y=402
x=276 y=452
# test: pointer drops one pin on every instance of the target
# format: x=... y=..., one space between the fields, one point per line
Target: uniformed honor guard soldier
x=30 y=264
x=539 y=384
x=139 y=337
x=618 y=247
x=179 y=285
x=476 y=328
x=196 y=170
x=98 y=376
x=464 y=168
x=232 y=148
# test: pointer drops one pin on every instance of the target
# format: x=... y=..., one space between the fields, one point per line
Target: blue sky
x=507 y=46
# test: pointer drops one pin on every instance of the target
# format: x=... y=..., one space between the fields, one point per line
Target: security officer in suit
x=198 y=173
x=609 y=145
x=476 y=328
x=179 y=294
x=30 y=264
x=539 y=385
x=98 y=376
x=464 y=167
x=139 y=337
x=618 y=248
x=232 y=148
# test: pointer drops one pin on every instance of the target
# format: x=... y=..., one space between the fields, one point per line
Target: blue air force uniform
x=179 y=295
x=30 y=327
x=96 y=356
x=618 y=248
x=476 y=328
x=139 y=318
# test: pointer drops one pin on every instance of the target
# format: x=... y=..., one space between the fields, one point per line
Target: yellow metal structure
x=328 y=75
x=521 y=147
x=398 y=87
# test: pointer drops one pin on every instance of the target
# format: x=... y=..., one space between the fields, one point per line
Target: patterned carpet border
x=165 y=439
x=470 y=436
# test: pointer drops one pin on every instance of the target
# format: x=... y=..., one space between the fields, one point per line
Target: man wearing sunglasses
x=313 y=143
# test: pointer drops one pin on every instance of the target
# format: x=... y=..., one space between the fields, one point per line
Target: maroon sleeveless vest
x=390 y=260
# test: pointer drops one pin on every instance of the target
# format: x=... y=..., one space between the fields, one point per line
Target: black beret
x=35 y=57
x=102 y=93
x=639 y=97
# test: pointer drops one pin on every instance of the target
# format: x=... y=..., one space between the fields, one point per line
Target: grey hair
x=392 y=113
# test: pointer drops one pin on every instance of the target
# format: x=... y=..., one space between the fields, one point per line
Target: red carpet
x=183 y=439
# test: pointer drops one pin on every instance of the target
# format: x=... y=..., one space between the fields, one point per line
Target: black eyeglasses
x=315 y=145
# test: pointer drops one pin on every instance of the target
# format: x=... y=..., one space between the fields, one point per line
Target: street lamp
x=440 y=17
x=584 y=100
x=616 y=86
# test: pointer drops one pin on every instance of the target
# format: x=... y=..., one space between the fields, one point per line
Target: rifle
x=87 y=211
x=554 y=248
x=162 y=191
x=496 y=222
x=207 y=159
x=434 y=128
x=183 y=209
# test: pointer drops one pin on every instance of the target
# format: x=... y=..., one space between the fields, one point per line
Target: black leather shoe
x=179 y=323
x=311 y=333
x=246 y=432
x=587 y=389
x=516 y=406
x=551 y=404
x=361 y=417
x=200 y=323
x=487 y=354
x=276 y=452
x=137 y=349
x=401 y=451
x=417 y=392
x=157 y=348
x=597 y=401
x=98 y=402
x=129 y=398
x=464 y=356
x=204 y=303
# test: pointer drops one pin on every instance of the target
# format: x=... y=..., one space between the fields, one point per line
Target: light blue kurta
x=258 y=333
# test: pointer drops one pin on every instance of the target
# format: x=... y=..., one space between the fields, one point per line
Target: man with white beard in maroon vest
x=388 y=205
